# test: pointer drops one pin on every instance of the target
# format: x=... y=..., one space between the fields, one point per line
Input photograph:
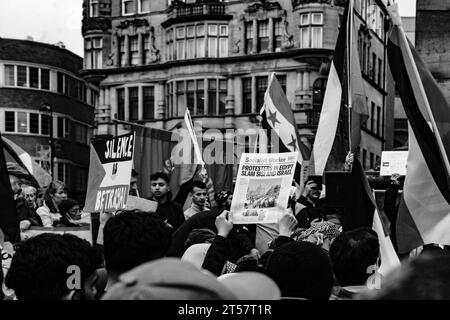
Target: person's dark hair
x=247 y=263
x=198 y=184
x=160 y=175
x=301 y=270
x=426 y=277
x=351 y=253
x=133 y=237
x=134 y=173
x=203 y=235
x=40 y=264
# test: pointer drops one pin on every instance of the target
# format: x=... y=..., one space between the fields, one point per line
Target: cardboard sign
x=393 y=162
x=110 y=167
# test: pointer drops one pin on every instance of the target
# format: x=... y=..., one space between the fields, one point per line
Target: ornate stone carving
x=153 y=54
x=288 y=39
x=135 y=23
x=98 y=23
x=264 y=5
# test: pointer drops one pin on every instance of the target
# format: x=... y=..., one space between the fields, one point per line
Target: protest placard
x=110 y=167
x=262 y=187
x=393 y=162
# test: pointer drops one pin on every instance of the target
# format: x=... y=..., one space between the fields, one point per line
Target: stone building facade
x=153 y=59
x=33 y=74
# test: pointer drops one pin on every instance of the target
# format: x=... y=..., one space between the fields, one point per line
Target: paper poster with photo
x=393 y=162
x=262 y=187
x=111 y=161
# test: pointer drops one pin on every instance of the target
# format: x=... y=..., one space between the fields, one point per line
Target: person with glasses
x=70 y=214
x=311 y=205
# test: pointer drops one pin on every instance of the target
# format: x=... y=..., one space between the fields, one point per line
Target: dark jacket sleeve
x=217 y=255
x=179 y=237
x=390 y=203
x=179 y=216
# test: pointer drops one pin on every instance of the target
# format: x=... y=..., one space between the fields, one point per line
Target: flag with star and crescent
x=279 y=121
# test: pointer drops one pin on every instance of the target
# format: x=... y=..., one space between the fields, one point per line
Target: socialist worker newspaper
x=262 y=187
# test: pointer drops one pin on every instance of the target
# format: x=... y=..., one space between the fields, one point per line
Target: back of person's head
x=198 y=184
x=41 y=267
x=202 y=235
x=426 y=277
x=160 y=175
x=133 y=237
x=168 y=279
x=352 y=253
x=301 y=270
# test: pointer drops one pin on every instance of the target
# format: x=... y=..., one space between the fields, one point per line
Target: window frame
x=123 y=6
x=140 y=11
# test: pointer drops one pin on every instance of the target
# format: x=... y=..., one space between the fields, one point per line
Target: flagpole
x=349 y=91
x=423 y=93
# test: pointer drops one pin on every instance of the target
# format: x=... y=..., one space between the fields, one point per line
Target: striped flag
x=9 y=221
x=424 y=213
x=328 y=152
x=279 y=120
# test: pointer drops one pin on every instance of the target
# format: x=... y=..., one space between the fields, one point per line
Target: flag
x=152 y=152
x=279 y=120
x=23 y=158
x=331 y=143
x=9 y=222
x=424 y=213
x=361 y=210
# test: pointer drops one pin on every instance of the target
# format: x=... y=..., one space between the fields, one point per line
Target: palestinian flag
x=332 y=139
x=424 y=213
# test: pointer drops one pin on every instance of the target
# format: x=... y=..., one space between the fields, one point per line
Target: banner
x=110 y=167
x=262 y=187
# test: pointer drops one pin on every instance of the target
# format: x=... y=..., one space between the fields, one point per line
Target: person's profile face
x=229 y=200
x=15 y=185
x=60 y=195
x=199 y=196
x=89 y=288
x=75 y=212
x=159 y=188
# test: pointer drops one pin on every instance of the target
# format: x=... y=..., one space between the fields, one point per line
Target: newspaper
x=262 y=187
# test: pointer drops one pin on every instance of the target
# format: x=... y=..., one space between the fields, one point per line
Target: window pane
x=190 y=31
x=200 y=30
x=224 y=30
x=212 y=96
x=180 y=32
x=190 y=48
x=149 y=103
x=304 y=19
x=21 y=76
x=45 y=79
x=261 y=86
x=34 y=123
x=212 y=29
x=128 y=6
x=249 y=37
x=34 y=77
x=9 y=75
x=304 y=38
x=134 y=51
x=200 y=47
x=180 y=49
x=121 y=104
x=60 y=128
x=97 y=43
x=45 y=124
x=223 y=47
x=222 y=95
x=212 y=47
x=317 y=18
x=317 y=37
x=22 y=124
x=134 y=103
x=247 y=95
x=200 y=97
x=145 y=5
x=60 y=82
x=10 y=121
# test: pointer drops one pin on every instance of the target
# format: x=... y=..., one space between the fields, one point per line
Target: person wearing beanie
x=301 y=270
x=70 y=214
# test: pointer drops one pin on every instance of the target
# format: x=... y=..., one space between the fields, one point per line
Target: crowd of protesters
x=200 y=254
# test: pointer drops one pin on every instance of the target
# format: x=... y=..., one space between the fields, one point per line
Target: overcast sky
x=52 y=21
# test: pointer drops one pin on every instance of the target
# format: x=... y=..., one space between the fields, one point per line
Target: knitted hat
x=66 y=205
x=301 y=270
